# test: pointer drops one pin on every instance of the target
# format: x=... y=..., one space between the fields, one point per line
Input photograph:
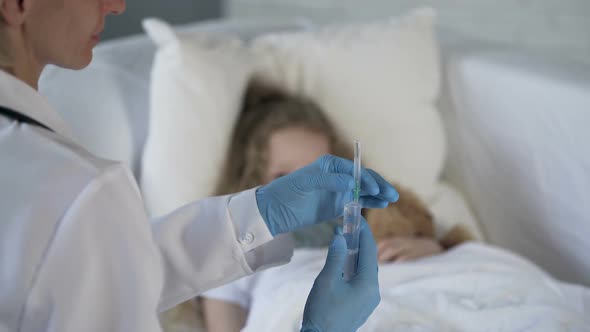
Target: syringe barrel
x=351 y=228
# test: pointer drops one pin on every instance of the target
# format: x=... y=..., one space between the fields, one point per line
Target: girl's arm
x=401 y=249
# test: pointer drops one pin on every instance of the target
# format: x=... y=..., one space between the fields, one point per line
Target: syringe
x=352 y=219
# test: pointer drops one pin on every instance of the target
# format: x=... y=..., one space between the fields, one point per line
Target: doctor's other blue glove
x=335 y=305
x=317 y=193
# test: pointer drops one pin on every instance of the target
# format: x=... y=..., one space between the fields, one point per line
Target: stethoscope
x=12 y=114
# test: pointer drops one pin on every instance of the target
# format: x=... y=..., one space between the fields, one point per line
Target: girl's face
x=290 y=149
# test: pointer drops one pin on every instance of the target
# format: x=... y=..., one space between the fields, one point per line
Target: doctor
x=77 y=251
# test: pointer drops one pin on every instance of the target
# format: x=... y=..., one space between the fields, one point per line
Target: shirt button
x=247 y=238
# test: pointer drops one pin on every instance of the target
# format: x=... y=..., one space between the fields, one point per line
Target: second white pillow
x=196 y=91
x=378 y=83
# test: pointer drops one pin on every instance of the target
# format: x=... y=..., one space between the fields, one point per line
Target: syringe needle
x=357 y=170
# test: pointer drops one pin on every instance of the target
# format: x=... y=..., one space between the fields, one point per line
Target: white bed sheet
x=472 y=288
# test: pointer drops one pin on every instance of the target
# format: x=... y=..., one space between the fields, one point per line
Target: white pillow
x=378 y=83
x=196 y=91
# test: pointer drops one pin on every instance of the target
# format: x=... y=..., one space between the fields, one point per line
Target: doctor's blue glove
x=317 y=193
x=335 y=305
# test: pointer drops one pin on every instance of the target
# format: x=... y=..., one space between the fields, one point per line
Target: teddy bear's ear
x=371 y=215
x=457 y=235
x=379 y=221
x=412 y=208
x=389 y=222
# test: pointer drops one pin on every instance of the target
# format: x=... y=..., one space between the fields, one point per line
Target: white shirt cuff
x=253 y=234
x=251 y=230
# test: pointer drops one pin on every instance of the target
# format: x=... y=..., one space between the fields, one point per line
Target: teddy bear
x=410 y=217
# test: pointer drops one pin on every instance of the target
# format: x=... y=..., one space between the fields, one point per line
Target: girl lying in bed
x=277 y=134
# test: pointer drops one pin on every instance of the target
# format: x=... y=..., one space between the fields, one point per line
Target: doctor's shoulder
x=45 y=178
x=62 y=209
x=66 y=166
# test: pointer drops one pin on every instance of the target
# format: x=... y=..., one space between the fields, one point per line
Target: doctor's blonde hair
x=265 y=110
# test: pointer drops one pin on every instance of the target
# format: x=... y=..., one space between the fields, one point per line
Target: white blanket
x=472 y=288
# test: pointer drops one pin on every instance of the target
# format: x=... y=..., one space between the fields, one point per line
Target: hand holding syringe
x=344 y=304
x=352 y=219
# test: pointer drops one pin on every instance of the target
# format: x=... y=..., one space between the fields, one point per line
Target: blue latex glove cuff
x=262 y=200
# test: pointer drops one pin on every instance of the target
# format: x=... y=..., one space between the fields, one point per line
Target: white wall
x=182 y=11
x=552 y=26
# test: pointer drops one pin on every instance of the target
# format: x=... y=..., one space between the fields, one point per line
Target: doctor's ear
x=13 y=12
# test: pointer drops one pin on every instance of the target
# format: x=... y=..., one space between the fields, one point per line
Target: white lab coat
x=77 y=251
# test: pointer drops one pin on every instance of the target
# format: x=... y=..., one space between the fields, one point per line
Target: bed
x=518 y=159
